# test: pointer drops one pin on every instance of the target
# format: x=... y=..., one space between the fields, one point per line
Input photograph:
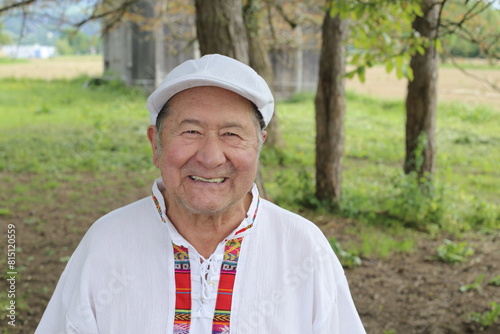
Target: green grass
x=467 y=178
x=371 y=241
x=61 y=128
x=8 y=61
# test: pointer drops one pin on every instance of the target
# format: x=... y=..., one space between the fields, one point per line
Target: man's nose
x=211 y=153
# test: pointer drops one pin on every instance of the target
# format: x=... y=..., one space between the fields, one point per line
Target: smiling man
x=206 y=145
x=204 y=254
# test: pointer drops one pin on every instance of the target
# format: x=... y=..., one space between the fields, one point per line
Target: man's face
x=209 y=151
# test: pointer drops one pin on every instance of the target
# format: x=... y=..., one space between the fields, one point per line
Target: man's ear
x=154 y=145
x=264 y=136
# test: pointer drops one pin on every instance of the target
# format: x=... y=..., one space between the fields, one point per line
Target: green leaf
x=494 y=281
x=348 y=259
x=487 y=318
x=420 y=49
x=438 y=45
x=409 y=73
x=399 y=62
x=350 y=74
x=361 y=73
x=361 y=10
x=473 y=286
x=389 y=66
x=334 y=10
x=399 y=72
x=452 y=252
x=355 y=58
x=417 y=9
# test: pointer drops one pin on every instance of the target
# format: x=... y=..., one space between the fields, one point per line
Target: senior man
x=204 y=253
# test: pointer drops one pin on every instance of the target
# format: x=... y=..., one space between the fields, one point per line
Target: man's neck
x=206 y=232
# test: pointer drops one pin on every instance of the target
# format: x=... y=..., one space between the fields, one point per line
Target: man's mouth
x=201 y=179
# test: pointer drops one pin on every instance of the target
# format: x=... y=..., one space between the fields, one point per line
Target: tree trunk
x=330 y=110
x=220 y=28
x=421 y=101
x=260 y=62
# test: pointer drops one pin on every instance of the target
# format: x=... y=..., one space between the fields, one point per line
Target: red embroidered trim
x=182 y=269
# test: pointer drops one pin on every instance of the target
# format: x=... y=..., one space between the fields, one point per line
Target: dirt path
x=453 y=85
x=55 y=68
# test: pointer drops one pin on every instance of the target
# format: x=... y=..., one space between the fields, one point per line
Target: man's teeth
x=216 y=180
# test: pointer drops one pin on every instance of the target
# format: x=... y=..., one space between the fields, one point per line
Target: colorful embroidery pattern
x=182 y=273
x=253 y=219
x=182 y=270
x=222 y=314
x=158 y=207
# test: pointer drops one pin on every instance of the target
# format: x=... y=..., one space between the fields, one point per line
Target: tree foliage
x=470 y=29
x=383 y=33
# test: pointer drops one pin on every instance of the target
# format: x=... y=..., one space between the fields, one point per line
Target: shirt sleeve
x=69 y=310
x=334 y=309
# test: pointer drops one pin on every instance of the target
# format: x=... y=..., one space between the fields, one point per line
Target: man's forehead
x=206 y=122
x=194 y=100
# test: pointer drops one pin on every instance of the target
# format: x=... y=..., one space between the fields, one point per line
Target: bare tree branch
x=440 y=16
x=117 y=13
x=281 y=11
x=452 y=27
x=492 y=85
x=14 y=5
x=270 y=22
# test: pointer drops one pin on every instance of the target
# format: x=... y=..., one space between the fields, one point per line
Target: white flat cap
x=214 y=70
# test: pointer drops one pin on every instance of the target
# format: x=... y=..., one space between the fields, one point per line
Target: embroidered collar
x=242 y=230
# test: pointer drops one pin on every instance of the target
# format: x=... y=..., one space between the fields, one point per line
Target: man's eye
x=230 y=134
x=191 y=131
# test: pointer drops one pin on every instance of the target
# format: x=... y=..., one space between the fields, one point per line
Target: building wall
x=28 y=51
x=172 y=49
x=144 y=57
x=129 y=51
x=295 y=71
x=117 y=49
x=143 y=50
